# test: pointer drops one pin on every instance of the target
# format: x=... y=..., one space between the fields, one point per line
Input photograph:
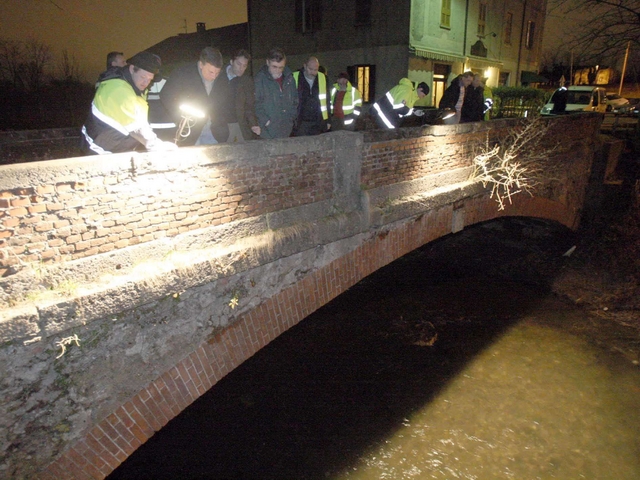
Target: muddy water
x=536 y=403
x=454 y=362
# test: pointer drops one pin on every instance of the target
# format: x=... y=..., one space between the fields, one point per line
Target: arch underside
x=115 y=437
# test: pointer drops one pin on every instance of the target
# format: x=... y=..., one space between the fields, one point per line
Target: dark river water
x=454 y=362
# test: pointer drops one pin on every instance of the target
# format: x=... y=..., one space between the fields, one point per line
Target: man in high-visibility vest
x=118 y=119
x=314 y=103
x=347 y=104
x=396 y=104
x=488 y=100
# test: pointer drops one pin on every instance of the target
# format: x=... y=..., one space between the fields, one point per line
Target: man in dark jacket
x=243 y=123
x=276 y=97
x=115 y=60
x=200 y=86
x=473 y=105
x=453 y=96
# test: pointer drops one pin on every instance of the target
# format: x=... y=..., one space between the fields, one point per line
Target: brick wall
x=394 y=161
x=61 y=211
x=404 y=155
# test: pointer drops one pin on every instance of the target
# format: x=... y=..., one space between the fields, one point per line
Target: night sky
x=89 y=29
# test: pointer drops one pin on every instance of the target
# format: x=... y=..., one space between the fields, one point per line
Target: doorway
x=441 y=72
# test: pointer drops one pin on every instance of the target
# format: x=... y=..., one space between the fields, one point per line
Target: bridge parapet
x=173 y=268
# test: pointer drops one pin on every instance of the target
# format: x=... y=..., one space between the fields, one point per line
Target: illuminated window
x=482 y=19
x=308 y=15
x=508 y=27
x=445 y=14
x=364 y=80
x=531 y=30
x=363 y=12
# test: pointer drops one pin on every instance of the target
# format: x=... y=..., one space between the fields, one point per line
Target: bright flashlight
x=189 y=111
x=447 y=113
x=189 y=114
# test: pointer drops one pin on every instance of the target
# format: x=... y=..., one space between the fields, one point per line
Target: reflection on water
x=449 y=363
x=537 y=403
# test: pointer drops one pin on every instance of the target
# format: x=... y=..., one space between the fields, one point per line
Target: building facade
x=378 y=42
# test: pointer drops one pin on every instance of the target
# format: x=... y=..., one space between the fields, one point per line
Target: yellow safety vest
x=322 y=92
x=352 y=99
x=117 y=105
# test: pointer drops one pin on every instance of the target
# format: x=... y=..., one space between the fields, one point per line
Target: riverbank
x=602 y=274
x=601 y=270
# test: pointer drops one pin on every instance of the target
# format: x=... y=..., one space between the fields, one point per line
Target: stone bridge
x=132 y=283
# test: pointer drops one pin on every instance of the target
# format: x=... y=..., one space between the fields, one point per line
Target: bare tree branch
x=11 y=60
x=519 y=163
x=37 y=58
x=69 y=69
x=606 y=28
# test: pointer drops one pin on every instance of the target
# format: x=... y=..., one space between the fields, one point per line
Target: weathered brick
x=20 y=202
x=43 y=226
x=61 y=224
x=45 y=189
x=107 y=247
x=54 y=207
x=10 y=222
x=46 y=254
x=18 y=212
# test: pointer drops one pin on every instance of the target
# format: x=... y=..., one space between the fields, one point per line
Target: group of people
x=276 y=103
x=469 y=97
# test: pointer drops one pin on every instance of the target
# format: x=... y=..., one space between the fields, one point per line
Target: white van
x=581 y=98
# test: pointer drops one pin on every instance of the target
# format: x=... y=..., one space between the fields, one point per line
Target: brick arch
x=116 y=437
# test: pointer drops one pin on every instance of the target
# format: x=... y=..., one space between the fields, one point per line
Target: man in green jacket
x=276 y=97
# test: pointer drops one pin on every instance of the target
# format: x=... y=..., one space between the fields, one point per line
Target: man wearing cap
x=347 y=103
x=423 y=99
x=395 y=105
x=118 y=119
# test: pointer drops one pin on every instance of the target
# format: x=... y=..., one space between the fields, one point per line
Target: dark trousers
x=304 y=128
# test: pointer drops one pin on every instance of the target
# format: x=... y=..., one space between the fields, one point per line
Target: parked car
x=616 y=103
x=581 y=98
x=634 y=107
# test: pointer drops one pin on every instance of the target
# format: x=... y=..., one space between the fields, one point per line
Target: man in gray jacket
x=276 y=97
